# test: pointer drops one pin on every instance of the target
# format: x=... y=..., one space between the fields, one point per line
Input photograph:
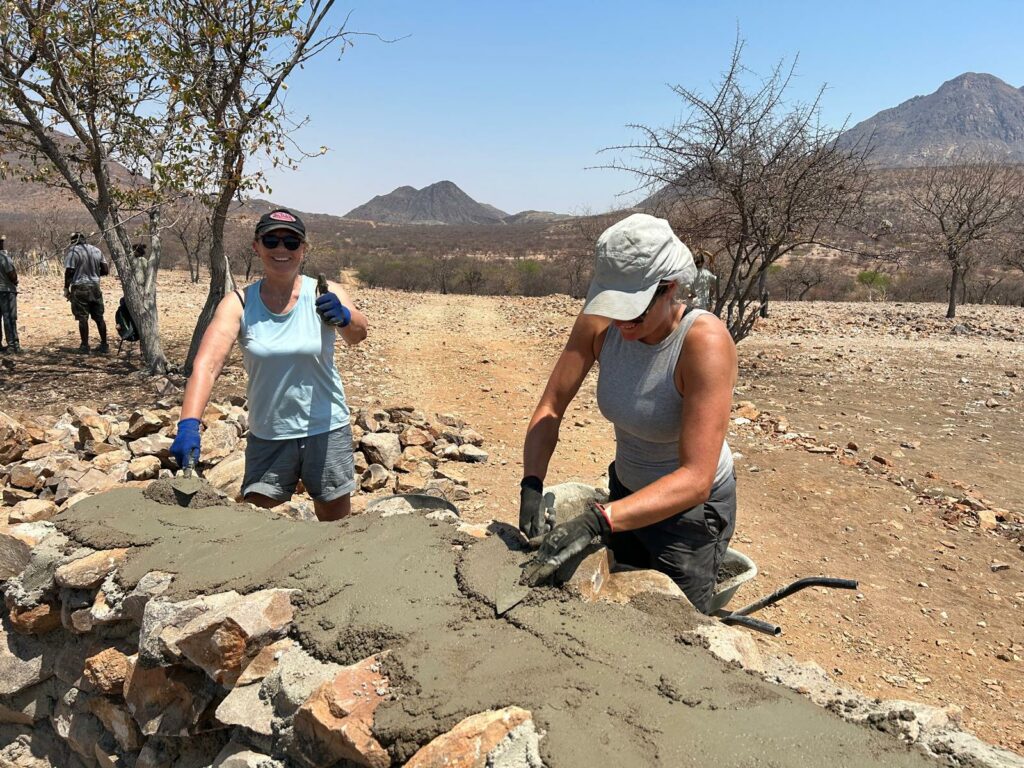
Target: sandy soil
x=931 y=621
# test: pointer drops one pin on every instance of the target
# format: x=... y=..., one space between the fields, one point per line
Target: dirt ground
x=939 y=402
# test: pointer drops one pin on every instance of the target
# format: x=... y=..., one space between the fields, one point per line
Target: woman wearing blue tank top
x=298 y=415
x=673 y=489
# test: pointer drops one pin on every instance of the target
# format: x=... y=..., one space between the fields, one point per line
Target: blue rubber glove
x=186 y=442
x=332 y=311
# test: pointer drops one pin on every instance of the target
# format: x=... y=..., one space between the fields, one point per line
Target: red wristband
x=606 y=514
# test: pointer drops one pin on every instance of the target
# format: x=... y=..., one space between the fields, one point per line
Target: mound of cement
x=609 y=685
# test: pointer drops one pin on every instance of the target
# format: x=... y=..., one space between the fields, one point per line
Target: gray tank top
x=636 y=392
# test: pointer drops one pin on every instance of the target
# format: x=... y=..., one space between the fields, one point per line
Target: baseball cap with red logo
x=281 y=218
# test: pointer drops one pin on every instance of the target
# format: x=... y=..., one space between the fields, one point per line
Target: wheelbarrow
x=738 y=569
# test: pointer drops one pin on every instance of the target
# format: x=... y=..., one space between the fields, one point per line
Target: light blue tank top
x=636 y=392
x=294 y=389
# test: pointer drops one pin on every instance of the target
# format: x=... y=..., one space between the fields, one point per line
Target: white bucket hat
x=631 y=258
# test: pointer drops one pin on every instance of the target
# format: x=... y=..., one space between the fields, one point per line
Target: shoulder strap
x=241 y=297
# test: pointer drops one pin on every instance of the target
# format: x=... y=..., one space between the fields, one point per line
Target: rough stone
x=107 y=671
x=471 y=453
x=143 y=468
x=235 y=755
x=471 y=743
x=223 y=641
x=246 y=708
x=589 y=577
x=109 y=461
x=166 y=700
x=414 y=436
x=27 y=476
x=296 y=677
x=118 y=721
x=730 y=645
x=152 y=584
x=16 y=544
x=623 y=586
x=265 y=662
x=29 y=704
x=382 y=448
x=14 y=439
x=32 y=510
x=152 y=445
x=336 y=722
x=87 y=572
x=143 y=422
x=227 y=475
x=37 y=620
x=375 y=478
x=219 y=440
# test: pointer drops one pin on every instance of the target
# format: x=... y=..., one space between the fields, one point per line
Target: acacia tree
x=228 y=62
x=76 y=108
x=962 y=207
x=749 y=176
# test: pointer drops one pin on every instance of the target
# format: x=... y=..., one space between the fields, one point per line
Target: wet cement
x=192 y=492
x=610 y=685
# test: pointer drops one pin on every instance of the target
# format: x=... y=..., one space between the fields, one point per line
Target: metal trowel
x=509 y=591
x=186 y=485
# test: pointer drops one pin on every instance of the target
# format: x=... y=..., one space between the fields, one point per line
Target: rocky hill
x=440 y=203
x=975 y=114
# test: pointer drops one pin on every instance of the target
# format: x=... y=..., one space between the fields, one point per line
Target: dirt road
x=932 y=620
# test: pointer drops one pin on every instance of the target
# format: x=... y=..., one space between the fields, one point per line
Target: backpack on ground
x=125 y=323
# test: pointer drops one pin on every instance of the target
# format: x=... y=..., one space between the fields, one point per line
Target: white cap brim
x=617 y=305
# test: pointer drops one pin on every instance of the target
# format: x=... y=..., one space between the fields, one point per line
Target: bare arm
x=568 y=374
x=213 y=352
x=708 y=368
x=355 y=331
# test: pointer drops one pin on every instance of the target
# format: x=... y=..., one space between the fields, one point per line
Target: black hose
x=751 y=623
x=796 y=586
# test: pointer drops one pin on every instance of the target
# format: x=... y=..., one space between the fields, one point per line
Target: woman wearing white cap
x=673 y=488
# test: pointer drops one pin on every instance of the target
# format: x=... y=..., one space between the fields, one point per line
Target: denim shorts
x=323 y=462
x=688 y=546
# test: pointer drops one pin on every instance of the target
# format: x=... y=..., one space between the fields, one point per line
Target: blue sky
x=513 y=100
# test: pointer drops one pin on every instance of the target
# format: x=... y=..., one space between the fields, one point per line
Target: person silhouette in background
x=84 y=265
x=8 y=300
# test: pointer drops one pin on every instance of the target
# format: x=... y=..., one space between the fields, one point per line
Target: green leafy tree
x=875 y=282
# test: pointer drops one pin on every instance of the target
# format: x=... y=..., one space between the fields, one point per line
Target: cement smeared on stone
x=610 y=685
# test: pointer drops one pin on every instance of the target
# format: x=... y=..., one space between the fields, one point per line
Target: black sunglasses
x=291 y=242
x=662 y=288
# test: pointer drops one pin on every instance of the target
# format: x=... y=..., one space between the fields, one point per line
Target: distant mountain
x=440 y=203
x=975 y=114
x=535 y=217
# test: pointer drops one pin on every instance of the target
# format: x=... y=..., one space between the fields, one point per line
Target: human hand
x=332 y=311
x=532 y=520
x=566 y=541
x=186 y=443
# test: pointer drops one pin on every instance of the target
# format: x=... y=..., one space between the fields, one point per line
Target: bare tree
x=961 y=208
x=231 y=60
x=76 y=105
x=192 y=231
x=801 y=276
x=577 y=260
x=749 y=176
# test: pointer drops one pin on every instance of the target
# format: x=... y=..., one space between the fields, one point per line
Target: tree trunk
x=221 y=281
x=953 y=283
x=762 y=291
x=140 y=297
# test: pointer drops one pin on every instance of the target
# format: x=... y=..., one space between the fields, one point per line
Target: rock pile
x=46 y=467
x=148 y=635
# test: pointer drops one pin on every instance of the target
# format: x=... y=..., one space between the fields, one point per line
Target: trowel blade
x=509 y=597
